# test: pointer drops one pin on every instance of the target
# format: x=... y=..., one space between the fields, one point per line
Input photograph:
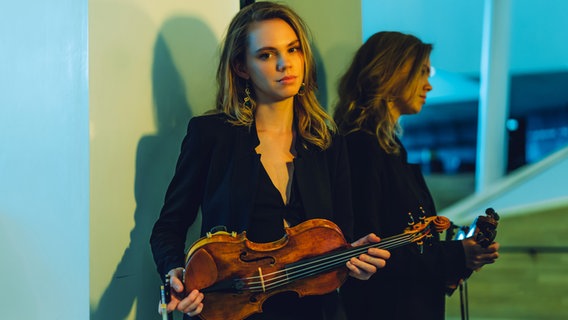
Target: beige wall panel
x=151 y=67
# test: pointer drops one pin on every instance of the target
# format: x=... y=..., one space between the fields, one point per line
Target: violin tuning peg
x=411 y=218
x=421 y=246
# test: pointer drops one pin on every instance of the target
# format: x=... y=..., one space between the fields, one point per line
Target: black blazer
x=385 y=189
x=217 y=171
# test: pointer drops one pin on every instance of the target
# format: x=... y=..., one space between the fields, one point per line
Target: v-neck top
x=270 y=211
x=267 y=225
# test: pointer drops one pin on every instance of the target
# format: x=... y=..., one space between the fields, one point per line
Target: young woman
x=388 y=78
x=267 y=158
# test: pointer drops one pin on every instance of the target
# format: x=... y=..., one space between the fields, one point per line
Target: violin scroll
x=423 y=228
x=487 y=228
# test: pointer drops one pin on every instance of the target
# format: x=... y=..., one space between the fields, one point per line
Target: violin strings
x=313 y=267
x=303 y=269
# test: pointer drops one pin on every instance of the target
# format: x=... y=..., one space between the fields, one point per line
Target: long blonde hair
x=374 y=79
x=314 y=125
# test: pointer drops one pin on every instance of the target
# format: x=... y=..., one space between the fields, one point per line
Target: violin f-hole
x=244 y=257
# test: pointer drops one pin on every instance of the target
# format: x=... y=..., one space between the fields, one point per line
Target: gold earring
x=302 y=89
x=248 y=101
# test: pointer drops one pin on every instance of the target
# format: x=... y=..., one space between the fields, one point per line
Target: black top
x=386 y=188
x=267 y=221
x=269 y=211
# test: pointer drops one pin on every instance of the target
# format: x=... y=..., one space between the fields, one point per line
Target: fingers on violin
x=356 y=272
x=370 y=238
x=483 y=259
x=373 y=238
x=379 y=253
x=176 y=284
x=489 y=258
x=192 y=304
x=494 y=247
x=367 y=263
x=196 y=311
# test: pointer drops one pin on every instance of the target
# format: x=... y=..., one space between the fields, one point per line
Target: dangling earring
x=302 y=89
x=248 y=101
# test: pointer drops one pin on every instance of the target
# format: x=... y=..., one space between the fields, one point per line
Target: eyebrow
x=291 y=44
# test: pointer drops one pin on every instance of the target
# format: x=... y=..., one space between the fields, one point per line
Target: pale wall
x=152 y=68
x=44 y=160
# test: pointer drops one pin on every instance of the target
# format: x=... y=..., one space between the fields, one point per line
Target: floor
x=530 y=279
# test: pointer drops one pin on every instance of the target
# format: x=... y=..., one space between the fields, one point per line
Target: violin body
x=238 y=275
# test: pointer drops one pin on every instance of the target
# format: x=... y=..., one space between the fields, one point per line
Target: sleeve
x=452 y=257
x=182 y=199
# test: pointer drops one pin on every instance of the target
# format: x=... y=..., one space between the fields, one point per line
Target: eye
x=265 y=55
x=295 y=49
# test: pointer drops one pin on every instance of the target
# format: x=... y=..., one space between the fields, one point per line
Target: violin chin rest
x=200 y=271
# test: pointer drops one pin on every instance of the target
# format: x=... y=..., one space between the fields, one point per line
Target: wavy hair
x=314 y=125
x=374 y=78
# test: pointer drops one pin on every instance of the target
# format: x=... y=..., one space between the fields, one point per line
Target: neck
x=277 y=117
x=393 y=111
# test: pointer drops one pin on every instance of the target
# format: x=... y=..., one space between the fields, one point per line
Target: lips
x=287 y=79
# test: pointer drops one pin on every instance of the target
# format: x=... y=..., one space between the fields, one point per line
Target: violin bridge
x=261 y=279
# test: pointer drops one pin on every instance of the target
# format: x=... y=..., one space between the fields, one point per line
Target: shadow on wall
x=135 y=281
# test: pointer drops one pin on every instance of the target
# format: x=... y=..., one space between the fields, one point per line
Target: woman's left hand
x=366 y=264
x=476 y=256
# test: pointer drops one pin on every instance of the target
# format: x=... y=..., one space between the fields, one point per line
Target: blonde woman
x=267 y=158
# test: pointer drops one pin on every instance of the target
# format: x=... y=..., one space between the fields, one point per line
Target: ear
x=241 y=71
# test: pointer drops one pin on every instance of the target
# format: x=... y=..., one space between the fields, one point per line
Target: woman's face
x=414 y=95
x=274 y=61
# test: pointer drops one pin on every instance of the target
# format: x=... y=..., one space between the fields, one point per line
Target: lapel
x=312 y=176
x=244 y=176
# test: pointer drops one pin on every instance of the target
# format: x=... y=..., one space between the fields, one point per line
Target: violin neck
x=338 y=258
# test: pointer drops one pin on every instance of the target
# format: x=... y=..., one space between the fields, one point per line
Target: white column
x=494 y=94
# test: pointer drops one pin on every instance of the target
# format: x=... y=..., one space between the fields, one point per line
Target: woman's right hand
x=190 y=304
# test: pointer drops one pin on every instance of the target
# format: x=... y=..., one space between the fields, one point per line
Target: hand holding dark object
x=480 y=249
x=191 y=303
x=476 y=256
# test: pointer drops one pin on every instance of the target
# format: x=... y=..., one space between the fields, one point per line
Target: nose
x=428 y=86
x=283 y=62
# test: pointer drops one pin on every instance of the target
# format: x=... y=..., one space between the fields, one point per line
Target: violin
x=237 y=275
x=483 y=230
